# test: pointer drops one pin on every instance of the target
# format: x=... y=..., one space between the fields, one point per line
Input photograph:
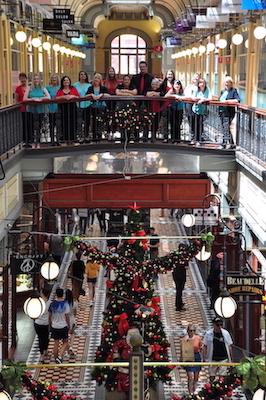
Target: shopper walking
x=92 y=270
x=194 y=341
x=41 y=326
x=60 y=324
x=217 y=347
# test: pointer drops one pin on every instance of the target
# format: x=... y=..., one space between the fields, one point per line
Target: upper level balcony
x=60 y=127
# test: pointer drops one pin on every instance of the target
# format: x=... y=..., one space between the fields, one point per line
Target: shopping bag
x=187 y=350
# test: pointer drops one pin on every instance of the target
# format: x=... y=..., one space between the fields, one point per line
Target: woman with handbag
x=191 y=346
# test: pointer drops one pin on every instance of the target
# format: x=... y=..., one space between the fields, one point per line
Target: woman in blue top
x=228 y=95
x=82 y=86
x=37 y=93
x=176 y=110
x=52 y=89
x=199 y=109
x=96 y=92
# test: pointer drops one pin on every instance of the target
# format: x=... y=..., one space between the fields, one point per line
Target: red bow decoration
x=156 y=349
x=123 y=324
x=154 y=303
x=122 y=348
x=109 y=284
x=122 y=382
x=134 y=207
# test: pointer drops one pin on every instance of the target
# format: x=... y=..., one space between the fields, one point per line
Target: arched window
x=126 y=52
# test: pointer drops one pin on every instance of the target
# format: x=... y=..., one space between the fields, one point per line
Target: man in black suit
x=142 y=82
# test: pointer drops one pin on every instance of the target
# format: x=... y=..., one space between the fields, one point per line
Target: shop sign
x=74 y=33
x=52 y=25
x=26 y=265
x=245 y=284
x=61 y=13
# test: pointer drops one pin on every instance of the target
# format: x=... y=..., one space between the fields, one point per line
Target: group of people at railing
x=159 y=115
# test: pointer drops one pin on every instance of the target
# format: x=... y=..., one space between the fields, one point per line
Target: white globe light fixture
x=34 y=306
x=188 y=220
x=222 y=43
x=260 y=394
x=225 y=306
x=36 y=42
x=260 y=32
x=188 y=52
x=21 y=36
x=203 y=255
x=202 y=49
x=210 y=47
x=11 y=41
x=56 y=47
x=246 y=44
x=195 y=50
x=83 y=56
x=46 y=46
x=50 y=270
x=62 y=49
x=5 y=396
x=237 y=39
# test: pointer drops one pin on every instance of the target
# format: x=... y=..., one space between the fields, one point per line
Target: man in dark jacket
x=142 y=82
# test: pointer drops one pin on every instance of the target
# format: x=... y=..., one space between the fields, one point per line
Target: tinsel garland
x=42 y=390
x=222 y=388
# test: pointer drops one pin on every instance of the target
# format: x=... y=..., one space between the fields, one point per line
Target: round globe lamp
x=21 y=36
x=46 y=46
x=34 y=306
x=260 y=32
x=203 y=255
x=188 y=220
x=210 y=47
x=260 y=394
x=4 y=395
x=36 y=42
x=237 y=39
x=222 y=43
x=225 y=306
x=50 y=270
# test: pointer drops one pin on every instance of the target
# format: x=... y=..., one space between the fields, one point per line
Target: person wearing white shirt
x=41 y=326
x=217 y=347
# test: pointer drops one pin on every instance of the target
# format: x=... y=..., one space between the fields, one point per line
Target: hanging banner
x=26 y=265
x=231 y=7
x=61 y=13
x=215 y=14
x=254 y=4
x=52 y=25
x=245 y=284
x=74 y=33
x=203 y=23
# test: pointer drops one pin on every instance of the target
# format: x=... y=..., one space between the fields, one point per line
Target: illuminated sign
x=75 y=33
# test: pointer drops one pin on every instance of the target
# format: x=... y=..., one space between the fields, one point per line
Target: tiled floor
x=194 y=297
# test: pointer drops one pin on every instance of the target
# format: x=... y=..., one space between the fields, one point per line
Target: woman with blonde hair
x=195 y=342
x=37 y=93
x=96 y=92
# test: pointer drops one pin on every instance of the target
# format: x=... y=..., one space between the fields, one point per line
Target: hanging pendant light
x=222 y=43
x=188 y=220
x=36 y=42
x=202 y=49
x=56 y=47
x=46 y=46
x=237 y=39
x=260 y=32
x=210 y=47
x=225 y=305
x=21 y=36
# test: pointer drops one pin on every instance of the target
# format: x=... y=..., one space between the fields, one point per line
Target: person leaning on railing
x=68 y=110
x=19 y=96
x=52 y=89
x=176 y=110
x=82 y=85
x=96 y=92
x=200 y=110
x=37 y=93
x=228 y=95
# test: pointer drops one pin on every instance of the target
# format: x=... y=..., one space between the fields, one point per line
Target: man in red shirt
x=19 y=94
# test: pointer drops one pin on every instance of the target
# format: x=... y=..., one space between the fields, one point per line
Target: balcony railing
x=133 y=119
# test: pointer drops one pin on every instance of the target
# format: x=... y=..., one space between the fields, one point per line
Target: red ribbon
x=123 y=324
x=122 y=382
